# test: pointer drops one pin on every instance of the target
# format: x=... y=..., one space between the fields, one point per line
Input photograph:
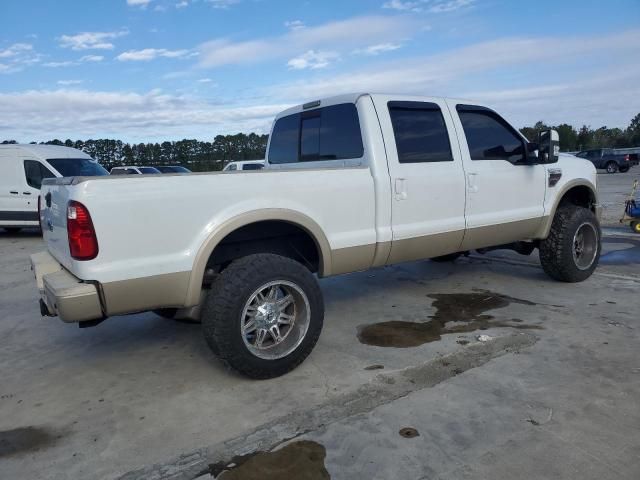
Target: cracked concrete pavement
x=142 y=397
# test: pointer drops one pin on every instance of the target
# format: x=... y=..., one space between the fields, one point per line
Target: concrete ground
x=552 y=392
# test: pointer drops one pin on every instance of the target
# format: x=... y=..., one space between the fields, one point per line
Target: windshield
x=148 y=170
x=77 y=167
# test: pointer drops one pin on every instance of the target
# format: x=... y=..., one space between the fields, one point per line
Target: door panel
x=15 y=206
x=505 y=201
x=427 y=178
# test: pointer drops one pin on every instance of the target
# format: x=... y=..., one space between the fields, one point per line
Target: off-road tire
x=556 y=251
x=452 y=257
x=224 y=304
x=611 y=167
x=624 y=169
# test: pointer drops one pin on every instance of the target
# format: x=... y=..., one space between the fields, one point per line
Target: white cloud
x=182 y=4
x=91 y=40
x=147 y=54
x=15 y=50
x=92 y=58
x=351 y=33
x=138 y=3
x=377 y=49
x=44 y=114
x=223 y=4
x=204 y=80
x=294 y=24
x=312 y=59
x=431 y=6
x=69 y=82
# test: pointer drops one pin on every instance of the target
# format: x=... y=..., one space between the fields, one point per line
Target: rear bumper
x=63 y=294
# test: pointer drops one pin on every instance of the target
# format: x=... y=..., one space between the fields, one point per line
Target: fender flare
x=545 y=227
x=228 y=226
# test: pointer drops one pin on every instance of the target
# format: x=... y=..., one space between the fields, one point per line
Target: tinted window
x=232 y=167
x=253 y=166
x=147 y=170
x=35 y=172
x=71 y=167
x=420 y=132
x=284 y=140
x=329 y=133
x=489 y=137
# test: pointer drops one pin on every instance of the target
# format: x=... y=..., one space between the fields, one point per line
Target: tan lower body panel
x=427 y=246
x=146 y=293
x=494 y=235
x=352 y=259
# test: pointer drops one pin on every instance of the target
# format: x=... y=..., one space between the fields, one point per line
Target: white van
x=244 y=165
x=22 y=169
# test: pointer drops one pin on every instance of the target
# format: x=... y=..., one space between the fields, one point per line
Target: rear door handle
x=13 y=193
x=26 y=193
x=471 y=183
x=401 y=189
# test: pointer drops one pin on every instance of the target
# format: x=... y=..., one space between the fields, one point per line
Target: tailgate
x=55 y=195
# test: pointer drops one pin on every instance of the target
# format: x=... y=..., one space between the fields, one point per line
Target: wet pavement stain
x=409 y=432
x=626 y=256
x=301 y=460
x=455 y=313
x=23 y=440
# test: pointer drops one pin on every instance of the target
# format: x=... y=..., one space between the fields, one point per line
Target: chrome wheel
x=275 y=319
x=585 y=246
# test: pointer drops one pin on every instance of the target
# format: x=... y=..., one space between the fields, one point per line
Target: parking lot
x=496 y=370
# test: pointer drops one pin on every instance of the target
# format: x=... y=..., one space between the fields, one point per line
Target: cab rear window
x=328 y=133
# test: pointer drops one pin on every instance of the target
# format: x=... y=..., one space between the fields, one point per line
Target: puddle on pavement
x=455 y=313
x=623 y=256
x=23 y=440
x=301 y=460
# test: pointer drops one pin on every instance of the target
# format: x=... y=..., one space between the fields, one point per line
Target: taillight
x=83 y=244
x=626 y=157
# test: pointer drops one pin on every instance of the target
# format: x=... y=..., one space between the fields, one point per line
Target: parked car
x=350 y=183
x=130 y=170
x=172 y=169
x=22 y=169
x=244 y=165
x=608 y=159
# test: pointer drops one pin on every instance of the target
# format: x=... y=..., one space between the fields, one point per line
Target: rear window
x=420 y=132
x=77 y=167
x=328 y=133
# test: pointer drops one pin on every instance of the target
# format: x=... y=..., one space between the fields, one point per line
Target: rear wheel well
x=580 y=196
x=268 y=236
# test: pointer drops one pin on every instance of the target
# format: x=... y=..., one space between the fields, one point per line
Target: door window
x=489 y=137
x=420 y=132
x=35 y=172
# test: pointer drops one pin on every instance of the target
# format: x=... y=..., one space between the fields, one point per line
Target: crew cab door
x=427 y=178
x=505 y=193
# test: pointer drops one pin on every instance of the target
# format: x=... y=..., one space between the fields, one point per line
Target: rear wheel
x=263 y=315
x=635 y=226
x=611 y=167
x=624 y=169
x=571 y=251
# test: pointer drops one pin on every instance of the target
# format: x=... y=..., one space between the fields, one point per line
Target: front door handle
x=12 y=192
x=26 y=193
x=471 y=183
x=401 y=189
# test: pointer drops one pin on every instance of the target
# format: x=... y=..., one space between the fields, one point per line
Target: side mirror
x=548 y=146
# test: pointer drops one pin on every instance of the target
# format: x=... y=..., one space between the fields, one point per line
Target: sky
x=153 y=70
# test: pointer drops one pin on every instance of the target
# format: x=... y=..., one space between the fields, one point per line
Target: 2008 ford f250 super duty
x=350 y=183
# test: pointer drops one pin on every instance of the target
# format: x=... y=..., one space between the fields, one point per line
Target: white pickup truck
x=350 y=183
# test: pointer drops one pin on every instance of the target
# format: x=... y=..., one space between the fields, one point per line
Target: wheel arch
x=578 y=192
x=215 y=238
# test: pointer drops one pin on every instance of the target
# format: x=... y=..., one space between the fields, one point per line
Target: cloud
x=15 y=50
x=222 y=4
x=294 y=24
x=138 y=3
x=431 y=6
x=44 y=114
x=352 y=33
x=92 y=58
x=16 y=57
x=204 y=80
x=71 y=63
x=377 y=49
x=312 y=59
x=69 y=82
x=90 y=40
x=182 y=4
x=147 y=54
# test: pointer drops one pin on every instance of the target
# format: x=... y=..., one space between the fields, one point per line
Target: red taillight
x=626 y=157
x=83 y=244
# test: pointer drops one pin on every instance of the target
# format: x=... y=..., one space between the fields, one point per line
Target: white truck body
x=157 y=234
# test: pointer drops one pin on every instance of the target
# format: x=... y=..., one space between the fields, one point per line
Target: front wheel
x=571 y=251
x=611 y=167
x=263 y=315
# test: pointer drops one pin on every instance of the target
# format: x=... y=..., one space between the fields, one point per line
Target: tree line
x=199 y=155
